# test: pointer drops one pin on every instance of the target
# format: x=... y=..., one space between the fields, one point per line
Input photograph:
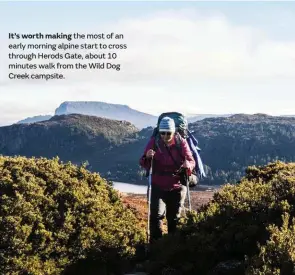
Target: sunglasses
x=166 y=133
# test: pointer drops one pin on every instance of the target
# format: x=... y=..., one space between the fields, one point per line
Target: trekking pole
x=149 y=202
x=188 y=193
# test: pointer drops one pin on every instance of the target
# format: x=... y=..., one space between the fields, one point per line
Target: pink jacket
x=163 y=164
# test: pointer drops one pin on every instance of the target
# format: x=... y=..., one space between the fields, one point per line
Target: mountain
x=35 y=119
x=231 y=144
x=74 y=137
x=116 y=112
x=107 y=110
x=113 y=147
x=196 y=117
x=228 y=144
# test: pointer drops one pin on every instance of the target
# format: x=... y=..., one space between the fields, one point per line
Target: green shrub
x=277 y=256
x=231 y=227
x=55 y=215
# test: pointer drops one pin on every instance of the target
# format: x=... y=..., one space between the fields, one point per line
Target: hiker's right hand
x=150 y=153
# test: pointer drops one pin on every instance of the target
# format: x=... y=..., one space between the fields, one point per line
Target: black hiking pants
x=167 y=204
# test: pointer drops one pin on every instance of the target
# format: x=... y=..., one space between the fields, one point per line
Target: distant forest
x=113 y=148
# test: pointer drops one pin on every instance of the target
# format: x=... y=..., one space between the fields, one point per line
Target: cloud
x=185 y=45
x=205 y=56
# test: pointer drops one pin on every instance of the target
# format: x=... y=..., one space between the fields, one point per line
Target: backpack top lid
x=181 y=124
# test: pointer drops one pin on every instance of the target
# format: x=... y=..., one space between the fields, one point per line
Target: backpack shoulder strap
x=156 y=143
x=178 y=144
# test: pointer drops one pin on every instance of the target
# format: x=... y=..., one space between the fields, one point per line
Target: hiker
x=167 y=192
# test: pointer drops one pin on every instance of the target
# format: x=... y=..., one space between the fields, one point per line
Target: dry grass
x=139 y=204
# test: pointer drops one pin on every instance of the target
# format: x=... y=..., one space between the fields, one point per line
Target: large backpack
x=180 y=121
x=181 y=127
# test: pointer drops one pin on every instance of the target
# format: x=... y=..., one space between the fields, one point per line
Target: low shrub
x=229 y=233
x=54 y=216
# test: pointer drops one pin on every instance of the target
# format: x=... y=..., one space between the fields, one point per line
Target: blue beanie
x=167 y=124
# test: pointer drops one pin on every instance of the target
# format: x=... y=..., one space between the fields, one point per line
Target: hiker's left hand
x=185 y=164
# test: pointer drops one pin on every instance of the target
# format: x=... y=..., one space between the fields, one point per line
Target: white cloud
x=167 y=50
x=184 y=45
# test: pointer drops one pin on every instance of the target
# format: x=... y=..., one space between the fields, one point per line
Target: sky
x=193 y=57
